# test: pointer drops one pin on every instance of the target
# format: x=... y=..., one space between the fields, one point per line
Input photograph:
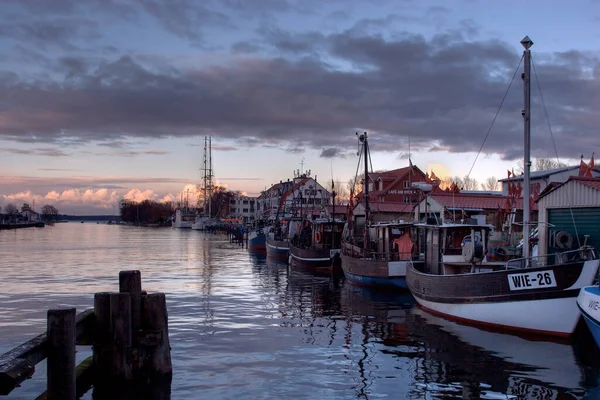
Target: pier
x=128 y=331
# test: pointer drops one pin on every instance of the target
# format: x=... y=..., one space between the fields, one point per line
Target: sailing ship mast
x=527 y=43
x=363 y=139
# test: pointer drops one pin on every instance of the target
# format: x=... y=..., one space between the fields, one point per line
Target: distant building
x=29 y=215
x=243 y=207
x=567 y=213
x=392 y=195
x=540 y=179
x=301 y=196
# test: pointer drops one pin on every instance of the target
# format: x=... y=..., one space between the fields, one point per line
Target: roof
x=392 y=207
x=474 y=201
x=393 y=174
x=592 y=183
x=544 y=174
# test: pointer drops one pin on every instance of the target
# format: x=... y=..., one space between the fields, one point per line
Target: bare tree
x=490 y=183
x=466 y=182
x=544 y=164
x=540 y=164
x=11 y=209
x=341 y=192
x=49 y=211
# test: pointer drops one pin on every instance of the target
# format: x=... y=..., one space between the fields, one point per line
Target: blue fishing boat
x=588 y=302
x=257 y=239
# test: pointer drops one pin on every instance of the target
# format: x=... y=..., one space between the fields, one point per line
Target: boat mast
x=527 y=43
x=210 y=176
x=205 y=208
x=364 y=140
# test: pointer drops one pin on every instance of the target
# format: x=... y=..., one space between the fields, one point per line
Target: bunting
x=586 y=169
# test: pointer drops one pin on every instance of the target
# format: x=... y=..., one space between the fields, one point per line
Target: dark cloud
x=295 y=91
x=331 y=152
x=42 y=151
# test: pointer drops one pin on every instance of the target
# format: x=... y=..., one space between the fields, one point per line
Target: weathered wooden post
x=61 y=354
x=155 y=321
x=120 y=326
x=131 y=282
x=101 y=344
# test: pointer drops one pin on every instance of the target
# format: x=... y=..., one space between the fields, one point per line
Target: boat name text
x=532 y=280
x=594 y=305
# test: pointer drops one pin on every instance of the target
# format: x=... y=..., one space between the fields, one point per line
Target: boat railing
x=583 y=254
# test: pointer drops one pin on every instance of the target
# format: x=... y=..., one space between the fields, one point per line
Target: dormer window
x=406 y=185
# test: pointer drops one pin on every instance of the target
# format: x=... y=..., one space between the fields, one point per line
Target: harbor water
x=244 y=327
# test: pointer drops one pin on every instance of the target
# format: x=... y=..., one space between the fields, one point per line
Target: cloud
x=331 y=152
x=300 y=89
x=42 y=151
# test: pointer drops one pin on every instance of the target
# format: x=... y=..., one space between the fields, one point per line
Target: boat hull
x=314 y=259
x=384 y=274
x=279 y=249
x=588 y=302
x=508 y=299
x=257 y=242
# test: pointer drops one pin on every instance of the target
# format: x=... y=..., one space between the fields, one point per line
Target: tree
x=49 y=212
x=341 y=193
x=544 y=164
x=11 y=209
x=490 y=183
x=466 y=182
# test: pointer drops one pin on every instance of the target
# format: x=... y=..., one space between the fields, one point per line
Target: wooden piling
x=120 y=327
x=102 y=337
x=131 y=282
x=61 y=354
x=155 y=320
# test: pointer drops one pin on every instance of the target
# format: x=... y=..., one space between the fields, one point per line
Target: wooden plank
x=84 y=374
x=18 y=364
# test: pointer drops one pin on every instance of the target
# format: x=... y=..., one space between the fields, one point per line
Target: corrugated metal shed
x=580 y=193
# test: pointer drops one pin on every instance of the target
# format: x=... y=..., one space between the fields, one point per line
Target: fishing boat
x=530 y=294
x=184 y=218
x=588 y=302
x=316 y=245
x=257 y=239
x=378 y=254
x=278 y=238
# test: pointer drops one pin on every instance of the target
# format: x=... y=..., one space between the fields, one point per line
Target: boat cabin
x=390 y=241
x=457 y=248
x=319 y=233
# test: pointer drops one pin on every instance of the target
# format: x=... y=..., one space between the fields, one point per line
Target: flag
x=582 y=168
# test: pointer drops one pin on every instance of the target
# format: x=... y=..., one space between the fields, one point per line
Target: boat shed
x=567 y=213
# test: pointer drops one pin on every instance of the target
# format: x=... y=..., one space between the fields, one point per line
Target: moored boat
x=257 y=239
x=385 y=265
x=184 y=218
x=588 y=302
x=278 y=239
x=317 y=245
x=533 y=294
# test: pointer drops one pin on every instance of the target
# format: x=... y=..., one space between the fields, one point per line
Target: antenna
x=302 y=166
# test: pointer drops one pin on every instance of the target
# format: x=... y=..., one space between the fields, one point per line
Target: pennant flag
x=582 y=168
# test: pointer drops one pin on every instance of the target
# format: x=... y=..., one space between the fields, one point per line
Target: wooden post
x=155 y=319
x=131 y=282
x=120 y=326
x=102 y=340
x=61 y=354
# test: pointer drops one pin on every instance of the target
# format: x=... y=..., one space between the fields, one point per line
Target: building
x=301 y=196
x=243 y=207
x=485 y=208
x=392 y=195
x=567 y=213
x=540 y=179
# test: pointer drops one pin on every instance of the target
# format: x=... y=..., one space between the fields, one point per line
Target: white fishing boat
x=534 y=294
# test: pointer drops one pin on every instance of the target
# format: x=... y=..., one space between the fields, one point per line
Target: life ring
x=318 y=237
x=563 y=240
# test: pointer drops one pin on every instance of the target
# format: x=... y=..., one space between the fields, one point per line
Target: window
x=311 y=201
x=245 y=202
x=245 y=210
x=406 y=185
x=406 y=199
x=232 y=211
x=317 y=201
x=232 y=202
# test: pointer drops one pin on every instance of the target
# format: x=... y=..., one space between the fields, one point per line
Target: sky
x=102 y=100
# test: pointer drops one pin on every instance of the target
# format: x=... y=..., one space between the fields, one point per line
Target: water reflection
x=245 y=326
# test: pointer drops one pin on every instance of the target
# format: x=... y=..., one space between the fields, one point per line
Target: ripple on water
x=245 y=327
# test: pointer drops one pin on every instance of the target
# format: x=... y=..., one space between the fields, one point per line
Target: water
x=243 y=327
